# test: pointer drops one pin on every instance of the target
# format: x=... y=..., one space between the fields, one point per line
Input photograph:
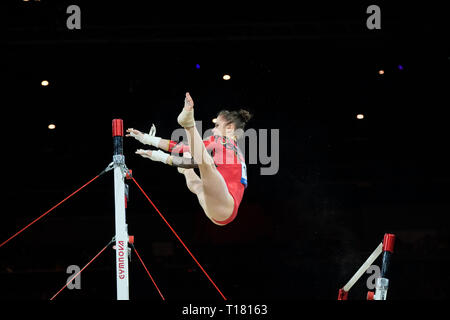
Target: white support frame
x=122 y=276
x=364 y=267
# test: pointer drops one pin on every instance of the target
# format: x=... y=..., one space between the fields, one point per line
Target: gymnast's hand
x=145 y=138
x=135 y=134
x=155 y=155
x=145 y=153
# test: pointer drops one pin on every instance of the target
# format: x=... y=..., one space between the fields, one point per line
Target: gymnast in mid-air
x=223 y=173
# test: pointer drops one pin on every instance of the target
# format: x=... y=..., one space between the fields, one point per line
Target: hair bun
x=245 y=115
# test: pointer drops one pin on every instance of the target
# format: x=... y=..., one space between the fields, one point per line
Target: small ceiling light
x=360 y=116
x=381 y=72
x=44 y=83
x=51 y=126
x=226 y=77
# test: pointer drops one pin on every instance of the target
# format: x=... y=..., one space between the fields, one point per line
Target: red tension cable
x=79 y=272
x=181 y=241
x=43 y=215
x=159 y=291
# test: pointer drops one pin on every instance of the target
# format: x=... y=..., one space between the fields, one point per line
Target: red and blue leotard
x=229 y=162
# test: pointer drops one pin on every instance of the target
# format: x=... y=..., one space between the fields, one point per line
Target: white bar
x=121 y=236
x=364 y=267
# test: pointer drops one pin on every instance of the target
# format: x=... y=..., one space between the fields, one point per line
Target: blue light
x=197 y=66
x=400 y=67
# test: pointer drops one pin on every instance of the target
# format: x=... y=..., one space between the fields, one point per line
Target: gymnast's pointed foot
x=186 y=117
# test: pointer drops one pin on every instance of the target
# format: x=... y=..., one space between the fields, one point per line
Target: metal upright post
x=382 y=283
x=121 y=238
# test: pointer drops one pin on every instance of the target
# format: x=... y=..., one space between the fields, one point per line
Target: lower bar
x=364 y=267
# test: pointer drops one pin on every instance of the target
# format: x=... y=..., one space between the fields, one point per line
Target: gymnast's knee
x=218 y=217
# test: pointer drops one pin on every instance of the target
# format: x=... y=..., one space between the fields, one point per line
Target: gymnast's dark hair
x=238 y=118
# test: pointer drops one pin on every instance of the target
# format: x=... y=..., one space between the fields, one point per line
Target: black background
x=306 y=70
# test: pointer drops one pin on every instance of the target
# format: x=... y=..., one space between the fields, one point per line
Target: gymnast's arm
x=145 y=138
x=165 y=144
x=172 y=160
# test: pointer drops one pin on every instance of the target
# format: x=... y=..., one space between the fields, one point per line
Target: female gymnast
x=223 y=174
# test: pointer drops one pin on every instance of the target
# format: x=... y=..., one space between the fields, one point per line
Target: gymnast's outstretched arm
x=166 y=145
x=175 y=161
x=149 y=138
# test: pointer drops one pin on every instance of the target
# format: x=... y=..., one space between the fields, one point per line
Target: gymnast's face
x=222 y=128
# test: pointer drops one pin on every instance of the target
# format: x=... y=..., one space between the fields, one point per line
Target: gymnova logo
x=257 y=147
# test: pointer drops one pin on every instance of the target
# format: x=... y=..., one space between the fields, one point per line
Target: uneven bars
x=359 y=273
